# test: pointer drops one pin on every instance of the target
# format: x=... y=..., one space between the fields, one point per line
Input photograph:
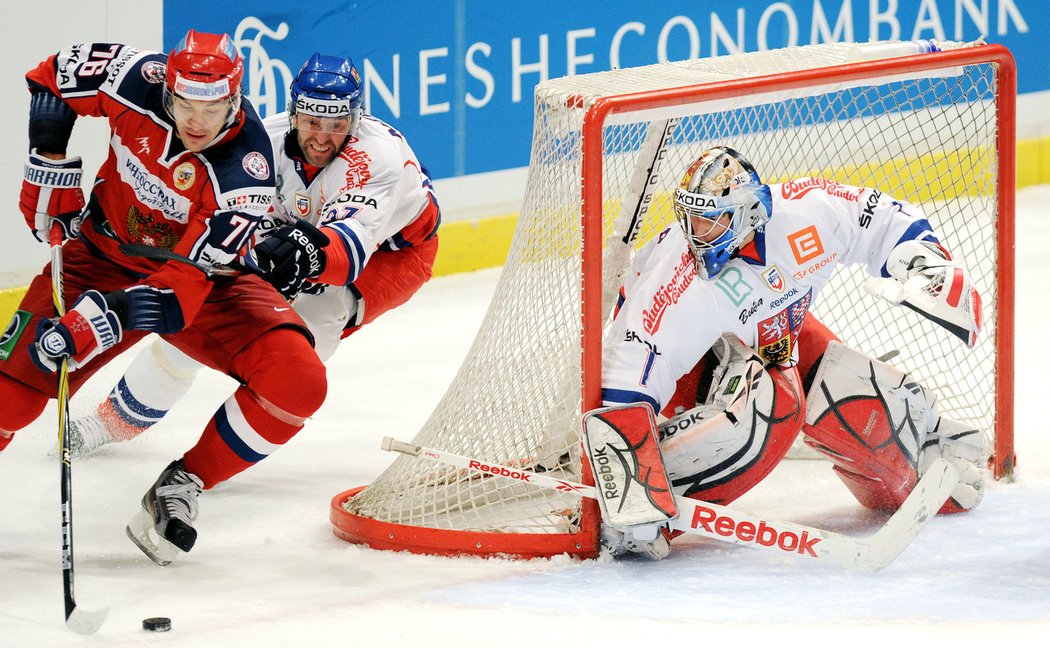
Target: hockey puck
x=156 y=624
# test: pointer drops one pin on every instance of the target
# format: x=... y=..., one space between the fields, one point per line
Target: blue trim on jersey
x=355 y=251
x=396 y=242
x=626 y=397
x=650 y=360
x=130 y=409
x=236 y=443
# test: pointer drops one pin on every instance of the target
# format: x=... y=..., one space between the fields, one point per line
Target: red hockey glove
x=88 y=329
x=51 y=191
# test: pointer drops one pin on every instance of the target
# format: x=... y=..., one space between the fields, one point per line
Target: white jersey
x=372 y=191
x=669 y=317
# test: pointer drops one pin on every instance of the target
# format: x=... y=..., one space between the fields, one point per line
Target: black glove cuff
x=117 y=301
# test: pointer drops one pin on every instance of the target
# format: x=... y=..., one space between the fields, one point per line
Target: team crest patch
x=185 y=176
x=15 y=328
x=774 y=278
x=153 y=71
x=302 y=204
x=255 y=164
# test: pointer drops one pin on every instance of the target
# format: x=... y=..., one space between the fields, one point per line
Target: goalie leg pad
x=871 y=420
x=722 y=448
x=629 y=473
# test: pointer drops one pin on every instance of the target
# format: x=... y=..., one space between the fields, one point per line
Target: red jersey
x=151 y=190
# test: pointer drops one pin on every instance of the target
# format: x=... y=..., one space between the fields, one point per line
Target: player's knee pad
x=871 y=419
x=751 y=415
x=283 y=372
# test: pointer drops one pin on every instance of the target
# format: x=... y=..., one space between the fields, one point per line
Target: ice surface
x=267 y=570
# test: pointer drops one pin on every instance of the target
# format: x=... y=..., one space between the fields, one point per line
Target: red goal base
x=442 y=542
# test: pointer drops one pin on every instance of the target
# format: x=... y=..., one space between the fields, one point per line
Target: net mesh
x=928 y=138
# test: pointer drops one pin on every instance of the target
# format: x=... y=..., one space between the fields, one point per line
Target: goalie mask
x=720 y=202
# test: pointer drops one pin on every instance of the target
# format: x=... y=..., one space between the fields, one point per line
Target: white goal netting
x=930 y=137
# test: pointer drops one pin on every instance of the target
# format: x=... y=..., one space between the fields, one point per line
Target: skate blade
x=141 y=532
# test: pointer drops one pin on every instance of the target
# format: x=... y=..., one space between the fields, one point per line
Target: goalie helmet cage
x=936 y=129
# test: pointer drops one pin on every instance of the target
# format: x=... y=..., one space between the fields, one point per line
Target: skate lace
x=179 y=499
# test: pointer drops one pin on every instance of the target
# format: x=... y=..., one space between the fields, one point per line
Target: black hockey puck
x=156 y=624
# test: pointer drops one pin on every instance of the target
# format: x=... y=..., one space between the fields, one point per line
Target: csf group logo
x=806 y=244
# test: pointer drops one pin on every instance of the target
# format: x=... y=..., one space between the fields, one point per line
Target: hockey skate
x=164 y=526
x=86 y=434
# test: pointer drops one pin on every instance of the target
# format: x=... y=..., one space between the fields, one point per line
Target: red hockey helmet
x=204 y=67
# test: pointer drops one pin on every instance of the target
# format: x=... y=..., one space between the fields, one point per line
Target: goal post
x=933 y=128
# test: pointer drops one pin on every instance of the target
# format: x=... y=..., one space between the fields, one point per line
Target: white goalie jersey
x=668 y=317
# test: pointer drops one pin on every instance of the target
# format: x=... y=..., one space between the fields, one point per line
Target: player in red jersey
x=190 y=170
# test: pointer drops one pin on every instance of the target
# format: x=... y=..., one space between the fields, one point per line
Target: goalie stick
x=725 y=524
x=77 y=618
x=642 y=184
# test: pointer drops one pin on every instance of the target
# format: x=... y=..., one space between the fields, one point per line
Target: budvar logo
x=501 y=471
x=794 y=189
x=764 y=534
x=669 y=293
x=266 y=79
x=806 y=244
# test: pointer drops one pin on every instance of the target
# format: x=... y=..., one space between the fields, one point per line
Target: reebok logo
x=501 y=471
x=604 y=473
x=764 y=534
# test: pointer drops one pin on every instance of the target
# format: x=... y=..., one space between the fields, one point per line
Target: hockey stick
x=164 y=254
x=724 y=524
x=641 y=184
x=77 y=619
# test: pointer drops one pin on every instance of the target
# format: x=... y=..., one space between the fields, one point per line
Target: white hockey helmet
x=719 y=183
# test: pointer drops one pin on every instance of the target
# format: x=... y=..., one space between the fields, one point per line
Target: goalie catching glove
x=928 y=281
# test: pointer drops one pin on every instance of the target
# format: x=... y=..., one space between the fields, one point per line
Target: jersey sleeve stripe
x=355 y=250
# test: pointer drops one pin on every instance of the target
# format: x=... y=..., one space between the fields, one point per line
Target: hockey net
x=935 y=129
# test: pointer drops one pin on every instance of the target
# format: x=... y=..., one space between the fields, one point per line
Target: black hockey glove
x=289 y=256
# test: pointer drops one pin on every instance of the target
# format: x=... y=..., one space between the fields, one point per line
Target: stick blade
x=85 y=622
x=918 y=510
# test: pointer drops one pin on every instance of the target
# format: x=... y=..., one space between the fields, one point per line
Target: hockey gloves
x=86 y=330
x=51 y=191
x=930 y=283
x=289 y=256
